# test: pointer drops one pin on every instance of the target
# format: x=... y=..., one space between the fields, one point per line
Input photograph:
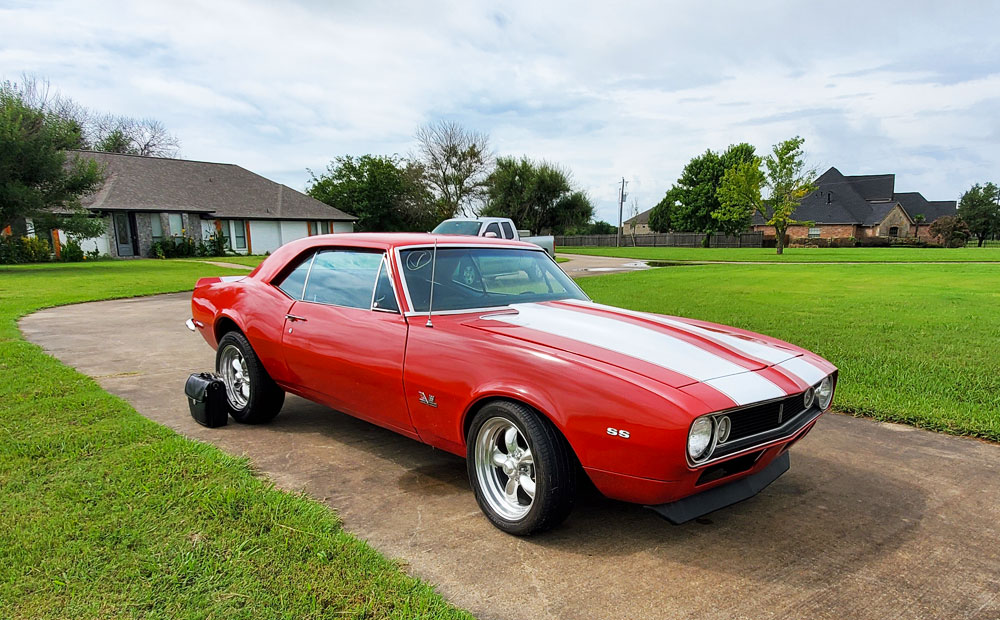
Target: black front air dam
x=694 y=506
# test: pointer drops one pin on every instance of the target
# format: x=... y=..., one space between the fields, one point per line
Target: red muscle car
x=485 y=348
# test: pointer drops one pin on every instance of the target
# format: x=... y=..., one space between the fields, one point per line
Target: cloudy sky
x=605 y=89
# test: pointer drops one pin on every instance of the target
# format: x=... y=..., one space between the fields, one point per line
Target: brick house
x=638 y=225
x=862 y=206
x=148 y=199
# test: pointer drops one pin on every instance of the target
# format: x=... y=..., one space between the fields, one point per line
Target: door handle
x=294 y=317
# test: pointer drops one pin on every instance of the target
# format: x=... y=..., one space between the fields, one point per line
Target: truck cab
x=495 y=227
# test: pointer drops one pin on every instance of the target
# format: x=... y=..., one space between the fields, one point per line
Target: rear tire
x=521 y=469
x=254 y=398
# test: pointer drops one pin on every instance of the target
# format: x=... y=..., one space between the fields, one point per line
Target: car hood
x=677 y=352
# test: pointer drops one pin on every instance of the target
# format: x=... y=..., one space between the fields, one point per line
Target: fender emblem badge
x=427 y=399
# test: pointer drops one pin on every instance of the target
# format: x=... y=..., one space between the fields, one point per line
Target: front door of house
x=125 y=233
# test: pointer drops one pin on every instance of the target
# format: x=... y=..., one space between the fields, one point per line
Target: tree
x=980 y=209
x=600 y=227
x=695 y=194
x=537 y=196
x=36 y=174
x=918 y=219
x=786 y=181
x=456 y=163
x=385 y=193
x=951 y=230
x=659 y=217
x=122 y=134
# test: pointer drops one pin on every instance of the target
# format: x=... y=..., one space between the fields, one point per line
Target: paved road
x=872 y=521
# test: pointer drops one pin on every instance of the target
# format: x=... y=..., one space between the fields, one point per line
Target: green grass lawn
x=797 y=255
x=249 y=261
x=104 y=513
x=918 y=344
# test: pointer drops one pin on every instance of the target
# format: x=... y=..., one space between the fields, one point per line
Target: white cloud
x=606 y=90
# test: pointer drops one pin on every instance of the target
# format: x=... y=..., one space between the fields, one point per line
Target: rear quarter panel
x=257 y=308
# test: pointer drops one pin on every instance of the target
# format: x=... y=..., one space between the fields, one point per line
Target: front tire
x=522 y=471
x=254 y=398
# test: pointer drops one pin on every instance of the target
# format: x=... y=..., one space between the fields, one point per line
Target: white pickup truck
x=498 y=227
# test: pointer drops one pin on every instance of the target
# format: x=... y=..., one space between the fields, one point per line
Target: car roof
x=376 y=241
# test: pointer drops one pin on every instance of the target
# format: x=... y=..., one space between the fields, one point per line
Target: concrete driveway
x=872 y=520
x=580 y=265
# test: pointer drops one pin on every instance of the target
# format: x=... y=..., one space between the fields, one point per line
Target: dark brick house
x=862 y=206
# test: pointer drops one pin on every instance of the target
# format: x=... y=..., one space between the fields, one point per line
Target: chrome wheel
x=233 y=367
x=505 y=469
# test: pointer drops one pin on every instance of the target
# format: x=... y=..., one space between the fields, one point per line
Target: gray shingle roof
x=873 y=187
x=862 y=199
x=222 y=190
x=642 y=218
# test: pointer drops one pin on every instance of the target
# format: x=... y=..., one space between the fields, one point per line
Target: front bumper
x=713 y=499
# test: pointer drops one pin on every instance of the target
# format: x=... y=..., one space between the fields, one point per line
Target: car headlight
x=824 y=392
x=808 y=397
x=700 y=438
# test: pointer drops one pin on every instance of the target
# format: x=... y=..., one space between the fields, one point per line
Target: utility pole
x=621 y=205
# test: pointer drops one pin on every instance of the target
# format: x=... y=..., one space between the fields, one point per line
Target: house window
x=176 y=223
x=239 y=235
x=157 y=226
x=319 y=228
x=894 y=231
x=814 y=232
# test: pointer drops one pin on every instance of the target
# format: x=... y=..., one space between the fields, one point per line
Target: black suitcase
x=206 y=393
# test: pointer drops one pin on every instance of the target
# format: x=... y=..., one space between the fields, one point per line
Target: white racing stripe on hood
x=648 y=345
x=803 y=369
x=761 y=351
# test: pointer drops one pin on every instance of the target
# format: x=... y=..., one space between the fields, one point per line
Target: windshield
x=458 y=227
x=466 y=278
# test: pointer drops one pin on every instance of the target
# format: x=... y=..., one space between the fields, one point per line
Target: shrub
x=873 y=242
x=910 y=242
x=16 y=250
x=951 y=230
x=71 y=252
x=174 y=247
x=217 y=245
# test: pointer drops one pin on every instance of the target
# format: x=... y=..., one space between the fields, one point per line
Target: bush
x=71 y=252
x=951 y=230
x=910 y=242
x=16 y=250
x=217 y=245
x=873 y=242
x=810 y=242
x=174 y=247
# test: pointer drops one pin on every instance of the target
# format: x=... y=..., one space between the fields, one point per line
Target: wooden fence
x=684 y=240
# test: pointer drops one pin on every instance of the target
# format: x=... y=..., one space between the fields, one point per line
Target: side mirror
x=490 y=235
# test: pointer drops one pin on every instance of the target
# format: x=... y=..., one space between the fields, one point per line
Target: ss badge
x=618 y=432
x=427 y=399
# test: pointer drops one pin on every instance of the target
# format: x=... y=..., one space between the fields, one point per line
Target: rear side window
x=508 y=230
x=295 y=282
x=343 y=278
